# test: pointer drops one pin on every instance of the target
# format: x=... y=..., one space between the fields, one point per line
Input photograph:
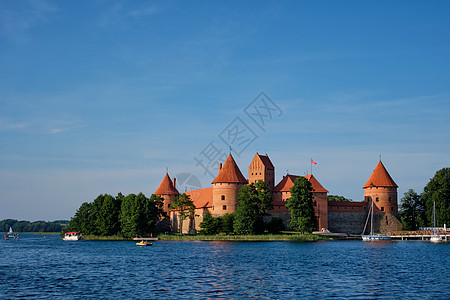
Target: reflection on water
x=51 y=268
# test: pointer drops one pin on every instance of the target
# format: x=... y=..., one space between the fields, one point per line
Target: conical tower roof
x=230 y=173
x=380 y=178
x=166 y=187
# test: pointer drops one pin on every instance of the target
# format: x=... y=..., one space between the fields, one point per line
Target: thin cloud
x=39 y=126
x=118 y=14
x=16 y=20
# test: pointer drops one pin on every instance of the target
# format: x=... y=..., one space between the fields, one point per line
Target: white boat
x=435 y=238
x=373 y=237
x=72 y=236
x=11 y=234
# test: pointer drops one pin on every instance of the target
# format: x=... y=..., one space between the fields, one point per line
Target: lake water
x=38 y=267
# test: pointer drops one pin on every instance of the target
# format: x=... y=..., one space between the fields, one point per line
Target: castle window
x=315 y=203
x=224 y=207
x=389 y=199
x=392 y=208
x=222 y=197
x=382 y=208
x=377 y=199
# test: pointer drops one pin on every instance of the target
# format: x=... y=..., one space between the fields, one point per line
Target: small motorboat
x=144 y=244
x=72 y=236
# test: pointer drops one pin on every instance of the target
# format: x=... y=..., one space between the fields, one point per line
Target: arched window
x=377 y=199
x=382 y=208
x=224 y=207
x=222 y=197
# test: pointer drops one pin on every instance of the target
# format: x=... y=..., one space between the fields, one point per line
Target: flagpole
x=311 y=165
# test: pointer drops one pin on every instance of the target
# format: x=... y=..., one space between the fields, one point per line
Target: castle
x=343 y=217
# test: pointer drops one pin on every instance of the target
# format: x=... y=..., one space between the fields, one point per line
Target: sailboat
x=435 y=238
x=372 y=237
x=11 y=234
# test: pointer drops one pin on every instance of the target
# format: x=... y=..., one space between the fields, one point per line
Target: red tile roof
x=266 y=161
x=317 y=187
x=285 y=184
x=380 y=178
x=166 y=187
x=201 y=197
x=230 y=173
x=288 y=181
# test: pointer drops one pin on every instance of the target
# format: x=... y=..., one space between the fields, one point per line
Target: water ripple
x=38 y=268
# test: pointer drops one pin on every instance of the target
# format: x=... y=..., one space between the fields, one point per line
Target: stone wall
x=347 y=222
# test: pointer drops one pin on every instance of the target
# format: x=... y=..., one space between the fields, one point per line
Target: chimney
x=174 y=181
x=220 y=166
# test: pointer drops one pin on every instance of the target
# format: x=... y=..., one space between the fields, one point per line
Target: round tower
x=382 y=189
x=168 y=191
x=226 y=187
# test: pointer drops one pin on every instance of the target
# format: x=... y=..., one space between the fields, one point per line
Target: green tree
x=82 y=221
x=338 y=198
x=438 y=190
x=184 y=207
x=301 y=206
x=139 y=214
x=412 y=210
x=108 y=216
x=226 y=223
x=209 y=225
x=254 y=202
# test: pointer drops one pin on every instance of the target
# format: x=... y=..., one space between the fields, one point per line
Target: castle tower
x=320 y=200
x=168 y=191
x=261 y=168
x=226 y=186
x=282 y=191
x=382 y=190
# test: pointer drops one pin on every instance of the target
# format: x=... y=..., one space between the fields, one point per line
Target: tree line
x=416 y=210
x=128 y=216
x=27 y=226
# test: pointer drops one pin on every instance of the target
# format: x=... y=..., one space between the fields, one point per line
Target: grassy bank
x=265 y=237
x=92 y=237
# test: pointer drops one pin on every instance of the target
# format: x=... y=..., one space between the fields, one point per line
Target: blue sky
x=103 y=96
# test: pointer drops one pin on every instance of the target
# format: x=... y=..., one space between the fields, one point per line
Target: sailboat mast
x=434 y=215
x=371 y=219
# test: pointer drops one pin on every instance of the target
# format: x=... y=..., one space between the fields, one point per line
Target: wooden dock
x=422 y=237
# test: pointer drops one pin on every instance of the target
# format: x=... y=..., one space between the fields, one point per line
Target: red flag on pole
x=313 y=162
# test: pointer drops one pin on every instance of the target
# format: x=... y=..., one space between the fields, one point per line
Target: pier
x=418 y=235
